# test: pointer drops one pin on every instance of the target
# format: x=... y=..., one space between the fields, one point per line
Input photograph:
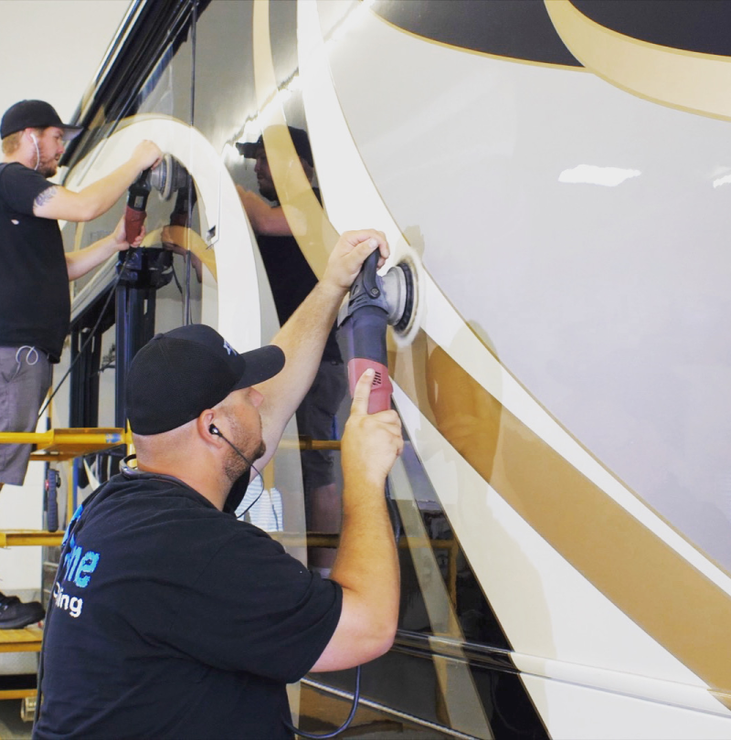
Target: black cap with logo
x=178 y=375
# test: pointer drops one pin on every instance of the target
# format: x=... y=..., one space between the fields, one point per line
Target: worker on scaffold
x=35 y=272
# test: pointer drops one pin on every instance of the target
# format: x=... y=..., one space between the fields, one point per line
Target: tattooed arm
x=58 y=202
x=44 y=197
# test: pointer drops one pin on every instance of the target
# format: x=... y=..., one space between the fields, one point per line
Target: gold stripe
x=188 y=240
x=316 y=237
x=310 y=226
x=648 y=580
x=688 y=80
x=655 y=586
x=463 y=705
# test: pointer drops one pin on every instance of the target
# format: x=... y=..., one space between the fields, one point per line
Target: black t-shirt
x=34 y=283
x=171 y=619
x=291 y=279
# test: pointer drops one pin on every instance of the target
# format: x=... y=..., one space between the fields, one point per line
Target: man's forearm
x=265 y=219
x=367 y=569
x=101 y=195
x=60 y=203
x=366 y=566
x=302 y=339
x=367 y=562
x=81 y=262
x=367 y=559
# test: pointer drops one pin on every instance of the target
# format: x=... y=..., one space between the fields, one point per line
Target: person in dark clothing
x=172 y=619
x=35 y=273
x=291 y=278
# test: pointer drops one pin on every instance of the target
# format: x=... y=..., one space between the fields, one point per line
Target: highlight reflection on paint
x=593 y=175
x=725 y=180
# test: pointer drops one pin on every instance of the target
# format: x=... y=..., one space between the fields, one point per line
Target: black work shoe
x=14 y=614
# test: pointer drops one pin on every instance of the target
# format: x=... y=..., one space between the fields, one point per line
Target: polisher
x=376 y=302
x=168 y=177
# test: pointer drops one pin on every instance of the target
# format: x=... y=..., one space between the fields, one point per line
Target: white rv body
x=566 y=395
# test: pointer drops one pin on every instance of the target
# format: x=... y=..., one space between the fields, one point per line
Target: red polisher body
x=365 y=332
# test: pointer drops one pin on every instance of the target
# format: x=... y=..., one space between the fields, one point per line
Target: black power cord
x=91 y=333
x=344 y=726
x=396 y=525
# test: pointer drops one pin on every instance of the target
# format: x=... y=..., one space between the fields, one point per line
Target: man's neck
x=203 y=485
x=18 y=158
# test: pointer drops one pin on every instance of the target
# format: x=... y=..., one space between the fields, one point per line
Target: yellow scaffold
x=54 y=445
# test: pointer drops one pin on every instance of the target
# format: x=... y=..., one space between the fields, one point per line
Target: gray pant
x=316 y=417
x=25 y=377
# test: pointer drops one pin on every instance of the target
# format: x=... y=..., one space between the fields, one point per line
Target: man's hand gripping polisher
x=167 y=177
x=374 y=303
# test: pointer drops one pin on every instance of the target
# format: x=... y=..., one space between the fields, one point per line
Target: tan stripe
x=651 y=583
x=688 y=80
x=316 y=237
x=313 y=231
x=187 y=240
x=462 y=700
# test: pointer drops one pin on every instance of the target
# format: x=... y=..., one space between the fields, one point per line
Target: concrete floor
x=11 y=726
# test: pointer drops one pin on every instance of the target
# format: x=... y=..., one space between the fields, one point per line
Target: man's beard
x=236 y=471
x=235 y=465
x=267 y=190
x=48 y=167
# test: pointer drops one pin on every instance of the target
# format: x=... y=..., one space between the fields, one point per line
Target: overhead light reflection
x=592 y=175
x=255 y=123
x=725 y=180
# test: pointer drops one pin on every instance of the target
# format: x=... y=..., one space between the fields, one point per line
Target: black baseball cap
x=299 y=138
x=179 y=374
x=35 y=114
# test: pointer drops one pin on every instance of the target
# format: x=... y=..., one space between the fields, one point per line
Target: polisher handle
x=370 y=276
x=135 y=213
x=133 y=221
x=365 y=338
x=381 y=389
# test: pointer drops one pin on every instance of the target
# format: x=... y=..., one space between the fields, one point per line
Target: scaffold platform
x=66 y=444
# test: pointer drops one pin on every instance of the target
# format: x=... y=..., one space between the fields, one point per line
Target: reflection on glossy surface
x=570 y=368
x=593 y=175
x=479 y=247
x=319 y=709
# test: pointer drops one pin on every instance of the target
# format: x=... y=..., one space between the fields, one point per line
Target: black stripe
x=693 y=25
x=520 y=29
